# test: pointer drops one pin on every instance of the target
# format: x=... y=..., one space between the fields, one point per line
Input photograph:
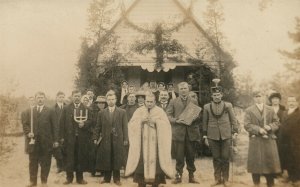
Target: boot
x=192 y=179
x=177 y=179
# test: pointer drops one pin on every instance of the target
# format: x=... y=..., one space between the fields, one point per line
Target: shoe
x=192 y=179
x=216 y=183
x=31 y=185
x=44 y=185
x=177 y=179
x=226 y=184
x=118 y=183
x=154 y=185
x=67 y=182
x=141 y=185
x=81 y=182
x=102 y=182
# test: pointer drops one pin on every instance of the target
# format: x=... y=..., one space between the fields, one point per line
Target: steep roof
x=186 y=13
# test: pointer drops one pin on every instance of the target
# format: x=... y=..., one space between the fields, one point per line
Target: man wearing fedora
x=261 y=122
x=219 y=125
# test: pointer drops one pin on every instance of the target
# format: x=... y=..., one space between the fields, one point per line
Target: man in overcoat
x=219 y=124
x=261 y=122
x=184 y=136
x=290 y=134
x=44 y=134
x=112 y=130
x=58 y=108
x=75 y=138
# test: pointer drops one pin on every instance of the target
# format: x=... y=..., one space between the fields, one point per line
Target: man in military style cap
x=219 y=123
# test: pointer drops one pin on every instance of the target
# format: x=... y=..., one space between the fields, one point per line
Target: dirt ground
x=14 y=170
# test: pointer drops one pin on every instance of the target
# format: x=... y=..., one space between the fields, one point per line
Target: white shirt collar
x=260 y=106
x=111 y=109
x=60 y=104
x=291 y=110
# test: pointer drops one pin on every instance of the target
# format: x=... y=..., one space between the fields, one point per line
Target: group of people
x=274 y=138
x=140 y=132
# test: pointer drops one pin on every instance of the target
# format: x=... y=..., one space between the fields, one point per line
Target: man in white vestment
x=150 y=137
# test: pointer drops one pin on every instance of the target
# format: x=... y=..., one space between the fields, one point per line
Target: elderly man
x=290 y=134
x=184 y=136
x=150 y=145
x=261 y=122
x=219 y=124
x=41 y=131
x=112 y=130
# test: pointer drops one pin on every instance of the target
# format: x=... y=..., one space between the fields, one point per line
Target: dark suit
x=163 y=106
x=114 y=131
x=290 y=144
x=57 y=151
x=184 y=136
x=76 y=141
x=45 y=134
x=219 y=123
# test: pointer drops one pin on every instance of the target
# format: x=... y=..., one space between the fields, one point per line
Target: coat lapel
x=292 y=115
x=115 y=114
x=257 y=113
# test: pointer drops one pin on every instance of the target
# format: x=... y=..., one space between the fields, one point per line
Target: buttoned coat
x=180 y=131
x=263 y=154
x=45 y=127
x=290 y=140
x=70 y=127
x=104 y=128
x=219 y=128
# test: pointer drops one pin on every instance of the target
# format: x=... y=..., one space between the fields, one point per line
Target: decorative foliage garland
x=162 y=44
x=152 y=31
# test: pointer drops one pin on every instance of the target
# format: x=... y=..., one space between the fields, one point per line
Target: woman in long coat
x=263 y=158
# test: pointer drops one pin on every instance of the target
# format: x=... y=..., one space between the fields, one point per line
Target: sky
x=40 y=40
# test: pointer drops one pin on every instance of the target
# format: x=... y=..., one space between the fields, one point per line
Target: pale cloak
x=164 y=138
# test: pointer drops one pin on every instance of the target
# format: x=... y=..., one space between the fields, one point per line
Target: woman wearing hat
x=140 y=96
x=279 y=109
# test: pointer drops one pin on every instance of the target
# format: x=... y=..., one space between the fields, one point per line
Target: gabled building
x=145 y=25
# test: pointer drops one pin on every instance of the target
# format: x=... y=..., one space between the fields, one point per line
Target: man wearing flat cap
x=219 y=125
x=261 y=122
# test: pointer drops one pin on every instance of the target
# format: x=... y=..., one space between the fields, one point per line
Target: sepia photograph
x=149 y=93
